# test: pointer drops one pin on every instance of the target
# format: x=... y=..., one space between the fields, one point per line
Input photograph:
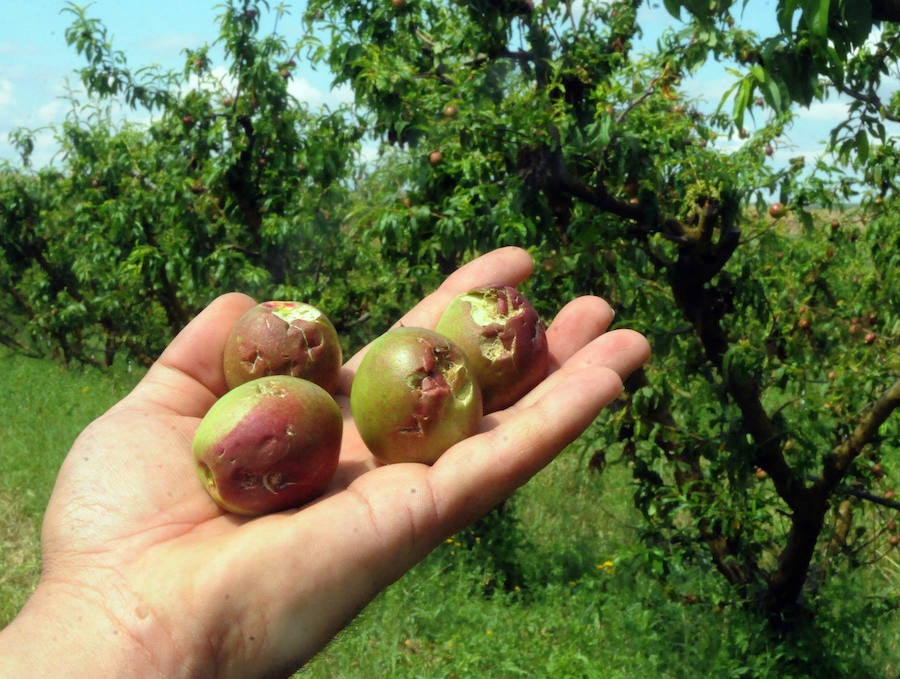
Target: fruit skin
x=504 y=339
x=413 y=396
x=777 y=210
x=269 y=444
x=283 y=338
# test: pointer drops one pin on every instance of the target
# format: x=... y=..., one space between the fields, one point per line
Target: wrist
x=63 y=631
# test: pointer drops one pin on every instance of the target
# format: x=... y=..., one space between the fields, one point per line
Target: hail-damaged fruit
x=283 y=338
x=504 y=339
x=414 y=396
x=269 y=444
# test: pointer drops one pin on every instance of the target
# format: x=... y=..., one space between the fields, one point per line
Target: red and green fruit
x=283 y=338
x=777 y=210
x=504 y=339
x=268 y=445
x=414 y=396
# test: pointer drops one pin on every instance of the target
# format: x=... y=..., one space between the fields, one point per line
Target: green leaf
x=862 y=146
x=785 y=13
x=772 y=93
x=818 y=16
x=858 y=20
x=673 y=7
x=742 y=101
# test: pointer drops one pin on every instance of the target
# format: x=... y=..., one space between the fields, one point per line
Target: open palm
x=144 y=571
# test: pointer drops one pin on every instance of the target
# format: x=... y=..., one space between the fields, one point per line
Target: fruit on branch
x=777 y=210
x=283 y=338
x=414 y=396
x=269 y=444
x=501 y=333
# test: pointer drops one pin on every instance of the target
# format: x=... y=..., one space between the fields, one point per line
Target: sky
x=36 y=63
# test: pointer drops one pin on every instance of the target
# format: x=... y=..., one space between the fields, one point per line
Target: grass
x=588 y=607
x=44 y=408
x=554 y=585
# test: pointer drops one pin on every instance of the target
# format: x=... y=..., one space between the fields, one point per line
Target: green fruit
x=504 y=339
x=414 y=396
x=283 y=338
x=269 y=444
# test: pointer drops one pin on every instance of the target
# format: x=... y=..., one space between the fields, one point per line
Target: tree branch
x=838 y=461
x=808 y=517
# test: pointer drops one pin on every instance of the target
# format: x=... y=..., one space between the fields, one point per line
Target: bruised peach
x=269 y=444
x=414 y=396
x=504 y=339
x=283 y=338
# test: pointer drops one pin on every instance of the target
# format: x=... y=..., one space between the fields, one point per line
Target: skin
x=143 y=575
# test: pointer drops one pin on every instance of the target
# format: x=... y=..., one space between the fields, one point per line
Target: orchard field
x=734 y=513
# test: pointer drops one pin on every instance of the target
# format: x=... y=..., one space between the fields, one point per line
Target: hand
x=144 y=574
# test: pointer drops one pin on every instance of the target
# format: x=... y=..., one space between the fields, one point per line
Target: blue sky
x=35 y=62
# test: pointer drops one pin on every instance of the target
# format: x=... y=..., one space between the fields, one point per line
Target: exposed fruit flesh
x=283 y=338
x=504 y=339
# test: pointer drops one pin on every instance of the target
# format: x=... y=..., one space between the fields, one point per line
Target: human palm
x=145 y=571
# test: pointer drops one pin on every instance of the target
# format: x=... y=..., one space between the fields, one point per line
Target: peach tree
x=233 y=183
x=759 y=435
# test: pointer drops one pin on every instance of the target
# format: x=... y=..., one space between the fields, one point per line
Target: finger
x=473 y=477
x=188 y=376
x=623 y=351
x=509 y=265
x=576 y=324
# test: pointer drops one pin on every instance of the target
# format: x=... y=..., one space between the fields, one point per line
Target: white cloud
x=171 y=43
x=824 y=110
x=45 y=147
x=52 y=112
x=7 y=98
x=315 y=97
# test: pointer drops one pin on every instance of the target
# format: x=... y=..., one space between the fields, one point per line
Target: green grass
x=588 y=607
x=555 y=585
x=44 y=408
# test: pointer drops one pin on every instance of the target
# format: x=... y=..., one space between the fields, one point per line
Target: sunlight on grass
x=19 y=556
x=44 y=408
